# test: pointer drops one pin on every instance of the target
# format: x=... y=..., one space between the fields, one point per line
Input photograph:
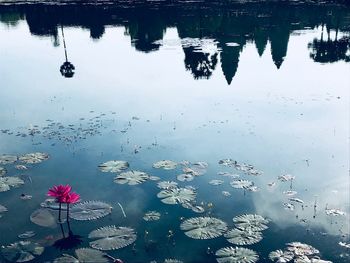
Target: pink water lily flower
x=59 y=191
x=69 y=198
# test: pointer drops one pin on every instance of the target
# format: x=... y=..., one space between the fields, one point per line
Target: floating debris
x=8 y=159
x=90 y=210
x=121 y=208
x=21 y=251
x=112 y=237
x=151 y=216
x=251 y=221
x=131 y=178
x=43 y=217
x=154 y=178
x=296 y=200
x=225 y=193
x=288 y=206
x=26 y=197
x=27 y=234
x=197 y=209
x=243 y=236
x=185 y=177
x=203 y=227
x=3 y=171
x=165 y=164
x=241 y=184
x=236 y=255
x=33 y=158
x=290 y=193
x=113 y=166
x=216 y=182
x=167 y=185
x=176 y=196
x=84 y=255
x=7 y=182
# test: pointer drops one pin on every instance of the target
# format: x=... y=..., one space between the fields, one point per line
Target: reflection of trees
x=144 y=29
x=258 y=23
x=201 y=64
x=328 y=51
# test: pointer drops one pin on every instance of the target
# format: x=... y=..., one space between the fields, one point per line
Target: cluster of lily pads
x=247 y=228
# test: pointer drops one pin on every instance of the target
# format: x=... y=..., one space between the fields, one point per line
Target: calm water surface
x=263 y=84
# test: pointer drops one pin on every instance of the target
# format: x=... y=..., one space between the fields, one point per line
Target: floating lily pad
x=176 y=196
x=112 y=237
x=21 y=167
x=32 y=158
x=90 y=210
x=27 y=234
x=165 y=164
x=301 y=249
x=335 y=212
x=241 y=184
x=167 y=184
x=113 y=166
x=251 y=222
x=203 y=227
x=43 y=217
x=8 y=159
x=216 y=182
x=84 y=255
x=2 y=209
x=66 y=259
x=281 y=256
x=151 y=216
x=131 y=178
x=243 y=236
x=22 y=251
x=227 y=162
x=185 y=177
x=196 y=169
x=3 y=171
x=7 y=182
x=286 y=177
x=236 y=255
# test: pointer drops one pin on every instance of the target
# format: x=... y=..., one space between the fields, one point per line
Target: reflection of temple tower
x=279 y=38
x=229 y=57
x=260 y=39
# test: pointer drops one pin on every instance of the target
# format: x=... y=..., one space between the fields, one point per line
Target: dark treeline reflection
x=230 y=25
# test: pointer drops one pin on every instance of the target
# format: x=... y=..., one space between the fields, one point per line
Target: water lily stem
x=59 y=213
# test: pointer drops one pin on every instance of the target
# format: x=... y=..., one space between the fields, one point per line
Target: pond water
x=261 y=83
